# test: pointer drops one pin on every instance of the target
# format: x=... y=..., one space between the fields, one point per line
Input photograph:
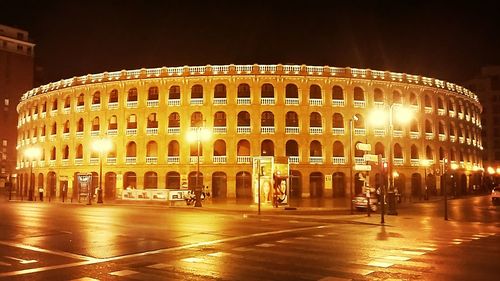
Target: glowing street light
x=103 y=146
x=32 y=153
x=351 y=159
x=198 y=134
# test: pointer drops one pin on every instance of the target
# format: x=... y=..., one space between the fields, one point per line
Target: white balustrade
x=243 y=101
x=338 y=103
x=292 y=101
x=152 y=131
x=315 y=130
x=316 y=102
x=338 y=131
x=292 y=130
x=132 y=104
x=267 y=130
x=219 y=159
x=243 y=159
x=174 y=130
x=174 y=102
x=152 y=103
x=338 y=160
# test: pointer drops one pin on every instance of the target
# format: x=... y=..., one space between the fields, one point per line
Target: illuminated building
x=294 y=111
x=16 y=77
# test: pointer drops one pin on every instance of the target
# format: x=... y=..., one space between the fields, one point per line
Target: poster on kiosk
x=273 y=181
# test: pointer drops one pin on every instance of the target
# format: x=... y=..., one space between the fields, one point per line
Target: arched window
x=96 y=98
x=129 y=180
x=66 y=127
x=66 y=152
x=243 y=148
x=132 y=94
x=291 y=148
x=220 y=91
x=79 y=125
x=150 y=180
x=174 y=120
x=243 y=91
x=379 y=149
x=152 y=149
x=193 y=149
x=359 y=122
x=132 y=121
x=428 y=126
x=338 y=149
x=153 y=93
x=152 y=121
x=452 y=129
x=378 y=96
x=397 y=97
x=81 y=100
x=54 y=104
x=173 y=148
x=413 y=99
x=291 y=91
x=173 y=180
x=220 y=119
x=53 y=153
x=428 y=153
x=131 y=149
x=359 y=94
x=337 y=93
x=113 y=96
x=291 y=119
x=79 y=151
x=315 y=120
x=267 y=91
x=337 y=121
x=197 y=119
x=267 y=148
x=398 y=151
x=414 y=152
x=113 y=123
x=414 y=126
x=220 y=148
x=197 y=92
x=267 y=119
x=174 y=93
x=315 y=149
x=44 y=106
x=442 y=154
x=243 y=119
x=441 y=128
x=427 y=101
x=315 y=92
x=451 y=105
x=67 y=102
x=440 y=103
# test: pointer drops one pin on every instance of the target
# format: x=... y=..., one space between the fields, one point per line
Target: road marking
x=219 y=254
x=125 y=272
x=265 y=245
x=430 y=249
x=412 y=253
x=396 y=258
x=53 y=252
x=319 y=235
x=380 y=264
x=21 y=261
x=4 y=263
x=192 y=260
x=160 y=265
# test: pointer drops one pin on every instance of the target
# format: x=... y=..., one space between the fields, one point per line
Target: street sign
x=362 y=167
x=363 y=146
x=371 y=157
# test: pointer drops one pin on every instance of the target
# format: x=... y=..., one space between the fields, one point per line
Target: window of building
x=174 y=93
x=197 y=92
x=153 y=93
x=113 y=96
x=291 y=119
x=152 y=121
x=220 y=91
x=132 y=94
x=243 y=91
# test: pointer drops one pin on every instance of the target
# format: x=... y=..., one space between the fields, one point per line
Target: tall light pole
x=102 y=145
x=425 y=163
x=32 y=153
x=351 y=159
x=197 y=134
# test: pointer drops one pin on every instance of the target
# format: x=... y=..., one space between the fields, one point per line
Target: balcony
x=360 y=103
x=53 y=113
x=338 y=160
x=461 y=139
x=379 y=132
x=316 y=159
x=66 y=136
x=461 y=115
x=338 y=131
x=359 y=160
x=174 y=102
x=451 y=113
x=80 y=108
x=66 y=110
x=194 y=159
x=315 y=102
x=378 y=104
x=111 y=161
x=41 y=138
x=428 y=109
x=43 y=115
x=131 y=132
x=441 y=112
x=219 y=130
x=359 y=131
x=267 y=130
x=397 y=133
x=243 y=159
x=267 y=101
x=132 y=104
x=219 y=159
x=292 y=101
x=151 y=131
x=79 y=161
x=52 y=163
x=94 y=161
x=415 y=162
x=442 y=137
x=315 y=130
x=196 y=101
x=468 y=140
x=174 y=130
x=453 y=138
x=292 y=130
x=65 y=162
x=429 y=136
x=243 y=101
x=95 y=107
x=152 y=103
x=338 y=103
x=151 y=160
x=293 y=159
x=414 y=135
x=398 y=161
x=35 y=116
x=79 y=134
x=220 y=101
x=173 y=160
x=130 y=160
x=112 y=105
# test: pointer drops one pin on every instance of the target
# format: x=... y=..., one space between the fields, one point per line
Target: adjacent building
x=310 y=117
x=16 y=77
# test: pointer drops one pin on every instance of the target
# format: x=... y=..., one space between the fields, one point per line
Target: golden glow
x=102 y=145
x=425 y=162
x=498 y=170
x=403 y=114
x=198 y=134
x=491 y=171
x=33 y=152
x=378 y=117
x=454 y=166
x=395 y=174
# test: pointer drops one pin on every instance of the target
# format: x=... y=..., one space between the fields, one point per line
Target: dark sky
x=440 y=39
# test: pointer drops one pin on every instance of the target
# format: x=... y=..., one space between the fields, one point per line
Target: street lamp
x=197 y=134
x=425 y=163
x=32 y=153
x=102 y=145
x=351 y=159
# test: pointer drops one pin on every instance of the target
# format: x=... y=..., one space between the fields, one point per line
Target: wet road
x=79 y=242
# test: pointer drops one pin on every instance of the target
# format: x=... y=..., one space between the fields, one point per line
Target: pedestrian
x=40 y=192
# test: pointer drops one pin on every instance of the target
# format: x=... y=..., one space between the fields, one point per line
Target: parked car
x=360 y=202
x=495 y=195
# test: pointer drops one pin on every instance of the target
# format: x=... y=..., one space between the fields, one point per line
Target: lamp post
x=102 y=145
x=197 y=134
x=425 y=163
x=32 y=153
x=351 y=159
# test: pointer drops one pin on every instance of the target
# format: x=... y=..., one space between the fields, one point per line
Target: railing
x=151 y=131
x=95 y=107
x=78 y=161
x=112 y=105
x=461 y=139
x=267 y=130
x=66 y=136
x=174 y=130
x=338 y=103
x=216 y=69
x=441 y=112
x=52 y=163
x=359 y=131
x=316 y=159
x=316 y=102
x=220 y=101
x=267 y=101
x=398 y=161
x=151 y=160
x=414 y=135
x=244 y=69
x=292 y=101
x=43 y=114
x=451 y=113
x=153 y=72
x=379 y=132
x=152 y=103
x=429 y=136
x=219 y=159
x=292 y=130
x=461 y=115
x=359 y=160
x=79 y=135
x=315 y=130
x=415 y=162
x=453 y=138
x=293 y=159
x=65 y=162
x=360 y=103
x=442 y=137
x=94 y=161
x=295 y=69
x=80 y=108
x=132 y=104
x=41 y=138
x=220 y=130
x=173 y=160
x=94 y=133
x=243 y=159
x=338 y=160
x=468 y=141
x=35 y=116
x=130 y=160
x=66 y=110
x=131 y=132
x=111 y=160
x=196 y=101
x=174 y=102
x=427 y=109
x=397 y=133
x=338 y=131
x=194 y=159
x=243 y=101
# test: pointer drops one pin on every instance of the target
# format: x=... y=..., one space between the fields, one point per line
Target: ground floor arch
x=219 y=185
x=295 y=184
x=316 y=184
x=243 y=185
x=110 y=186
x=338 y=185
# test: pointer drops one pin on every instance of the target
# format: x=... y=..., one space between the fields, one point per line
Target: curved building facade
x=308 y=116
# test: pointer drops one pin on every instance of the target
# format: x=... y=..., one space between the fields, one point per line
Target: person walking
x=40 y=193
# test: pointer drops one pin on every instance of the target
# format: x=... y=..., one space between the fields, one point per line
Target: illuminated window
x=291 y=119
x=132 y=94
x=174 y=120
x=267 y=91
x=220 y=91
x=378 y=95
x=197 y=92
x=243 y=91
x=174 y=93
x=113 y=96
x=96 y=98
x=132 y=121
x=153 y=93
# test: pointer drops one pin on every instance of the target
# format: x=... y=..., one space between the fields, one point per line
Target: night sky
x=440 y=39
